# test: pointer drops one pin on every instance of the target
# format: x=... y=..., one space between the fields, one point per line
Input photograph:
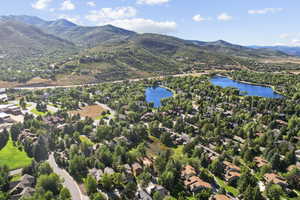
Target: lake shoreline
x=255 y=84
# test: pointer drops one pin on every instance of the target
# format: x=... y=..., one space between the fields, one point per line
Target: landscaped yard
x=92 y=111
x=34 y=111
x=13 y=157
x=228 y=188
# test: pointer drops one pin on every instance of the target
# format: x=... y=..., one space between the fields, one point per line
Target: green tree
x=64 y=194
x=50 y=183
x=90 y=185
x=274 y=192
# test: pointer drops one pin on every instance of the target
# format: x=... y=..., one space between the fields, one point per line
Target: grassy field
x=34 y=111
x=92 y=111
x=13 y=157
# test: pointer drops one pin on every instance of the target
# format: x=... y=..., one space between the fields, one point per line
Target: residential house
x=109 y=170
x=220 y=197
x=232 y=172
x=231 y=167
x=147 y=162
x=137 y=169
x=195 y=184
x=232 y=176
x=24 y=188
x=188 y=171
x=153 y=188
x=260 y=162
x=142 y=195
x=276 y=179
x=96 y=173
x=5 y=118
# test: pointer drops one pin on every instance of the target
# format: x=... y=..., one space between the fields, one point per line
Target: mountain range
x=292 y=51
x=30 y=45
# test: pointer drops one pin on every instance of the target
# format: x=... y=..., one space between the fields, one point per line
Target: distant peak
x=63 y=22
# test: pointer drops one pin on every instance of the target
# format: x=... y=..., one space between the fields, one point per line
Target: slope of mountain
x=32 y=47
x=292 y=51
x=19 y=39
x=80 y=35
x=224 y=47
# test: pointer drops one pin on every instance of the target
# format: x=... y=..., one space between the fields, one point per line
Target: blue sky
x=254 y=22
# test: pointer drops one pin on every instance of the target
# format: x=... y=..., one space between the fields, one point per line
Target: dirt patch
x=92 y=111
x=6 y=84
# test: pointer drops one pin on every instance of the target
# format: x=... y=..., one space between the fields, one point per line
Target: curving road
x=69 y=182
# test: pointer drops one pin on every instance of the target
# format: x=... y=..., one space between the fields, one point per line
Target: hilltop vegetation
x=63 y=52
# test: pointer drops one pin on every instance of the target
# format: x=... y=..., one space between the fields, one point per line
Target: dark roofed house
x=24 y=188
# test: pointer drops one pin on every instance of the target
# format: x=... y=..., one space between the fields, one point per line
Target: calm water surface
x=155 y=94
x=251 y=90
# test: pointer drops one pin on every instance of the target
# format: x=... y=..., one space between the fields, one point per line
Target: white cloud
x=41 y=4
x=285 y=36
x=264 y=11
x=91 y=3
x=224 y=17
x=67 y=5
x=152 y=2
x=296 y=41
x=199 y=18
x=142 y=25
x=74 y=19
x=107 y=14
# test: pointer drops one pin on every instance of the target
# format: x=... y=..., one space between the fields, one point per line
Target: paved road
x=69 y=182
x=120 y=81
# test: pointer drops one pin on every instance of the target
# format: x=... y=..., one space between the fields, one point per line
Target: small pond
x=248 y=89
x=155 y=94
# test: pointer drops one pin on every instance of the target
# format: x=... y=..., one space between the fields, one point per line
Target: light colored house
x=231 y=176
x=5 y=118
x=195 y=184
x=220 y=197
x=231 y=167
x=276 y=179
x=188 y=171
x=137 y=169
x=153 y=188
x=260 y=162
x=24 y=188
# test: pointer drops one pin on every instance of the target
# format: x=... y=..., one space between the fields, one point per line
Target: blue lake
x=251 y=90
x=155 y=94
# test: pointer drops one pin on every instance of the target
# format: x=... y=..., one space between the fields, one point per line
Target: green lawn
x=228 y=188
x=102 y=116
x=13 y=157
x=34 y=111
x=85 y=139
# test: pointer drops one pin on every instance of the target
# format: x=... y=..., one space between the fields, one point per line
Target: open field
x=13 y=157
x=92 y=111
